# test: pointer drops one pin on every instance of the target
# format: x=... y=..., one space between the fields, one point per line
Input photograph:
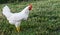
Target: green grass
x=44 y=19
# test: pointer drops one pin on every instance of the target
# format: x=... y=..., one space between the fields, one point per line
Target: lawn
x=44 y=18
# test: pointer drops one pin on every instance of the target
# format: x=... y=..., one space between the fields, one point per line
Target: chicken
x=16 y=18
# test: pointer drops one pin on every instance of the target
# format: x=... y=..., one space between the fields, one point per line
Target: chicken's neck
x=25 y=11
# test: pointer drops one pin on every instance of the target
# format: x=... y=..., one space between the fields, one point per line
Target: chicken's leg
x=18 y=29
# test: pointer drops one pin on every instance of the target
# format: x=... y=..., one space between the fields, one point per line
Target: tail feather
x=6 y=12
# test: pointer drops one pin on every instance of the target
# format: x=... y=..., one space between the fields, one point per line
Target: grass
x=44 y=19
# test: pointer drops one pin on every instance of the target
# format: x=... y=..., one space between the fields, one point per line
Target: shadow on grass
x=17 y=1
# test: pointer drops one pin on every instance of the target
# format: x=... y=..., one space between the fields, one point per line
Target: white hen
x=15 y=18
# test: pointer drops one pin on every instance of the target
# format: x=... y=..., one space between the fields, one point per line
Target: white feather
x=16 y=17
x=6 y=12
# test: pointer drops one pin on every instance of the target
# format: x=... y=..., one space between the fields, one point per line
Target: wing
x=6 y=12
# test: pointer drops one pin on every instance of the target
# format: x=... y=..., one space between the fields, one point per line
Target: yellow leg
x=18 y=29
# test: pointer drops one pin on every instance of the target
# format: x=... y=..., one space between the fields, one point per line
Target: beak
x=18 y=29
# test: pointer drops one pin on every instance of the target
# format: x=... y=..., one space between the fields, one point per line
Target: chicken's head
x=30 y=7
